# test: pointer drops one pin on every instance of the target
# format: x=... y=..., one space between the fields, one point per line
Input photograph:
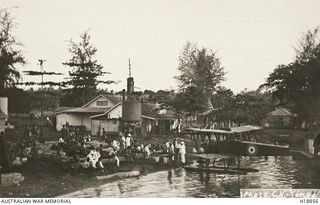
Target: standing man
x=103 y=134
x=182 y=152
x=128 y=141
x=177 y=146
x=171 y=152
x=122 y=142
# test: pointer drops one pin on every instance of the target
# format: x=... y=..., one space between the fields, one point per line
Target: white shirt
x=115 y=143
x=182 y=149
x=128 y=142
x=147 y=150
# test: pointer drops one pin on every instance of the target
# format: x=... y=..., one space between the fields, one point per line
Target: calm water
x=275 y=172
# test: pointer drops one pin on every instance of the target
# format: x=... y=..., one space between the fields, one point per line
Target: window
x=102 y=103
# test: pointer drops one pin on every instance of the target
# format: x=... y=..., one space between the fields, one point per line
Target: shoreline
x=51 y=177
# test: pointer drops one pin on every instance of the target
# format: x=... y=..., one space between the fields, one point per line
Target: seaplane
x=225 y=147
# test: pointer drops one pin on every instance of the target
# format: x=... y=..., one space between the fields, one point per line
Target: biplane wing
x=245 y=128
x=240 y=129
x=209 y=130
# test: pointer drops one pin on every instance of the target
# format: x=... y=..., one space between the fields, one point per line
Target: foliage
x=200 y=69
x=201 y=73
x=85 y=70
x=297 y=85
x=190 y=101
x=19 y=101
x=10 y=51
x=247 y=107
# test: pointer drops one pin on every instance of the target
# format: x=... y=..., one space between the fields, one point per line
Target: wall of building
x=109 y=125
x=147 y=126
x=75 y=119
x=94 y=103
x=115 y=113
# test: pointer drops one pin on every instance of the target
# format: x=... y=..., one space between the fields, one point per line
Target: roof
x=3 y=115
x=106 y=112
x=150 y=110
x=97 y=110
x=281 y=112
x=113 y=98
x=84 y=110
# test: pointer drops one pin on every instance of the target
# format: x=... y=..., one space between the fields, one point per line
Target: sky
x=251 y=37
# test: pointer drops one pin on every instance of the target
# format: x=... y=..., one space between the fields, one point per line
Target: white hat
x=129 y=135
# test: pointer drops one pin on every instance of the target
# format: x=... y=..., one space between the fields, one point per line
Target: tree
x=85 y=70
x=190 y=101
x=247 y=107
x=297 y=85
x=201 y=73
x=19 y=100
x=10 y=51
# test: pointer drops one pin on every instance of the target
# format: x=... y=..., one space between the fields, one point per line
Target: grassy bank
x=51 y=177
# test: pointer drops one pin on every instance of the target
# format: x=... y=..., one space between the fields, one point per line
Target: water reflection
x=274 y=172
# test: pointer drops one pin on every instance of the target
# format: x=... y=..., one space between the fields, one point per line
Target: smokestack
x=123 y=95
x=130 y=86
x=4 y=105
x=130 y=82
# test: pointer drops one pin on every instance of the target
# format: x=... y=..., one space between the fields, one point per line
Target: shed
x=80 y=116
x=279 y=118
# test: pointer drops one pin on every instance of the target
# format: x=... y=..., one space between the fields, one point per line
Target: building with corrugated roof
x=105 y=112
x=279 y=118
x=152 y=120
x=80 y=116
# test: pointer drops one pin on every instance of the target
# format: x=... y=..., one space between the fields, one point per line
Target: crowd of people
x=176 y=150
x=75 y=142
x=24 y=149
x=33 y=132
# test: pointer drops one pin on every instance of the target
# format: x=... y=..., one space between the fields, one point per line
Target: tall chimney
x=130 y=86
x=130 y=82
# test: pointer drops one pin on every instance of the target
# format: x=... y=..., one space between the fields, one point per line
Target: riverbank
x=51 y=177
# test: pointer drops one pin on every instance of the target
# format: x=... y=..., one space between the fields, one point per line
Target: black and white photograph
x=159 y=99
